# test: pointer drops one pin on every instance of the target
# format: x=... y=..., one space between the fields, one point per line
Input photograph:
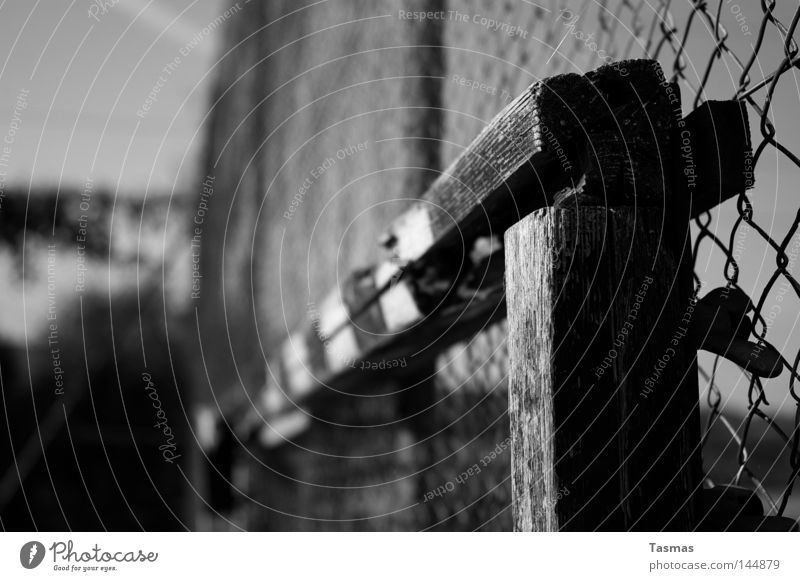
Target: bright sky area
x=85 y=69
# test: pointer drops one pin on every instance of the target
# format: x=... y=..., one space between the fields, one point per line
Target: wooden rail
x=605 y=139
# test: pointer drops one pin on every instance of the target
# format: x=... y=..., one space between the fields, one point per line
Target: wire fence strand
x=689 y=39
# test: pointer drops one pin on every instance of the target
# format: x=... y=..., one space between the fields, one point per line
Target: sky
x=75 y=76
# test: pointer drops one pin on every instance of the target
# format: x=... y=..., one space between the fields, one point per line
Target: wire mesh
x=692 y=43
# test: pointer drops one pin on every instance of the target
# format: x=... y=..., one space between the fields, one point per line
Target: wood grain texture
x=545 y=141
x=593 y=300
x=477 y=177
x=530 y=288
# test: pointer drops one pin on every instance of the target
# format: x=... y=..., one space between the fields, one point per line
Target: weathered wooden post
x=603 y=384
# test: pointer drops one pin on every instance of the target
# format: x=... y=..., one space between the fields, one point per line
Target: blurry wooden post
x=603 y=379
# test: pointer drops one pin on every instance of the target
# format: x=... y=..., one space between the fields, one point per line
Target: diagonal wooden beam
x=444 y=280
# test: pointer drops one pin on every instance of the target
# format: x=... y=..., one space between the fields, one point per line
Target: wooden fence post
x=603 y=383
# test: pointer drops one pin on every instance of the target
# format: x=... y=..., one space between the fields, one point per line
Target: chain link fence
x=751 y=60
